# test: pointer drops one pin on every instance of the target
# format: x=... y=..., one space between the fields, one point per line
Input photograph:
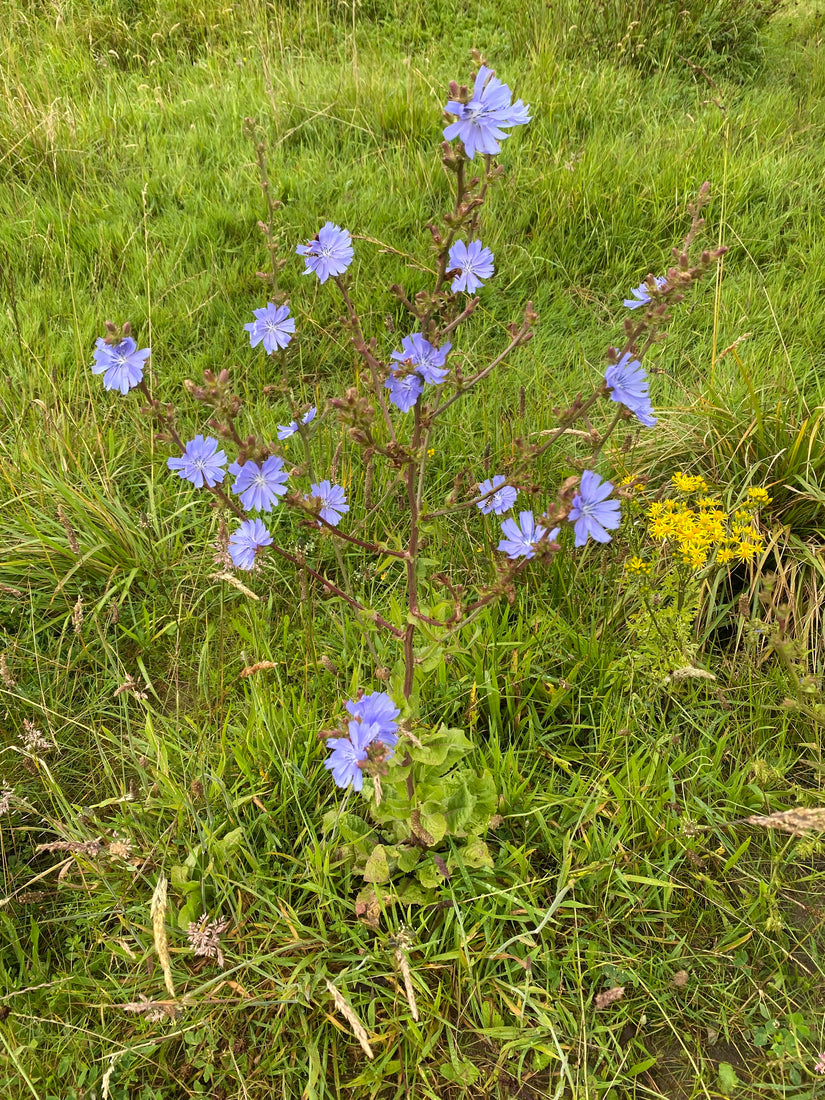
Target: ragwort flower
x=627 y=381
x=201 y=463
x=121 y=365
x=329 y=254
x=272 y=326
x=246 y=540
x=474 y=263
x=501 y=501
x=479 y=123
x=592 y=513
x=259 y=486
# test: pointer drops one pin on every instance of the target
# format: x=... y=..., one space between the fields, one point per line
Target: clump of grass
x=716 y=36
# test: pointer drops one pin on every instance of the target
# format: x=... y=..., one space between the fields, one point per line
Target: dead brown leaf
x=609 y=997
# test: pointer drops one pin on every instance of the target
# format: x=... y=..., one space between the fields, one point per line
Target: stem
x=363 y=350
x=611 y=428
x=559 y=432
x=475 y=609
x=412 y=559
x=519 y=338
x=652 y=617
x=271 y=205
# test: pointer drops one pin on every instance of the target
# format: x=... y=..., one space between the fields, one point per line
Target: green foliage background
x=127 y=190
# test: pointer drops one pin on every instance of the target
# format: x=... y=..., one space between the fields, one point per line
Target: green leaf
x=460 y=1072
x=408 y=859
x=435 y=824
x=728 y=1080
x=179 y=875
x=189 y=912
x=475 y=853
x=411 y=893
x=227 y=844
x=640 y=1067
x=350 y=826
x=377 y=868
x=429 y=875
x=442 y=748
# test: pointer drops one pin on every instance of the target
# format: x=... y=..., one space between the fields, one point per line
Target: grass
x=128 y=190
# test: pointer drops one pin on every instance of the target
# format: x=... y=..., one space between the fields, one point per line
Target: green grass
x=128 y=190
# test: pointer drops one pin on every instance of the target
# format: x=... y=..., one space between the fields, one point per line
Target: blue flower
x=627 y=381
x=404 y=389
x=272 y=325
x=123 y=364
x=333 y=501
x=478 y=123
x=259 y=486
x=427 y=360
x=201 y=462
x=592 y=512
x=475 y=264
x=379 y=711
x=642 y=293
x=250 y=536
x=286 y=430
x=348 y=752
x=499 y=502
x=329 y=254
x=521 y=537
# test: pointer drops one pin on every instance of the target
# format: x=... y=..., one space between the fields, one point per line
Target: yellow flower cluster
x=636 y=565
x=688 y=483
x=700 y=529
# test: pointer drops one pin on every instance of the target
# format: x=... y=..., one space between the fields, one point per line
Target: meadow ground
x=128 y=190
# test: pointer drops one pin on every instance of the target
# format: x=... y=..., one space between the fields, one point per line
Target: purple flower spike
x=501 y=501
x=404 y=390
x=378 y=711
x=427 y=360
x=474 y=263
x=272 y=326
x=329 y=254
x=641 y=293
x=479 y=123
x=201 y=463
x=592 y=512
x=286 y=430
x=123 y=364
x=333 y=501
x=259 y=486
x=245 y=541
x=627 y=381
x=520 y=538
